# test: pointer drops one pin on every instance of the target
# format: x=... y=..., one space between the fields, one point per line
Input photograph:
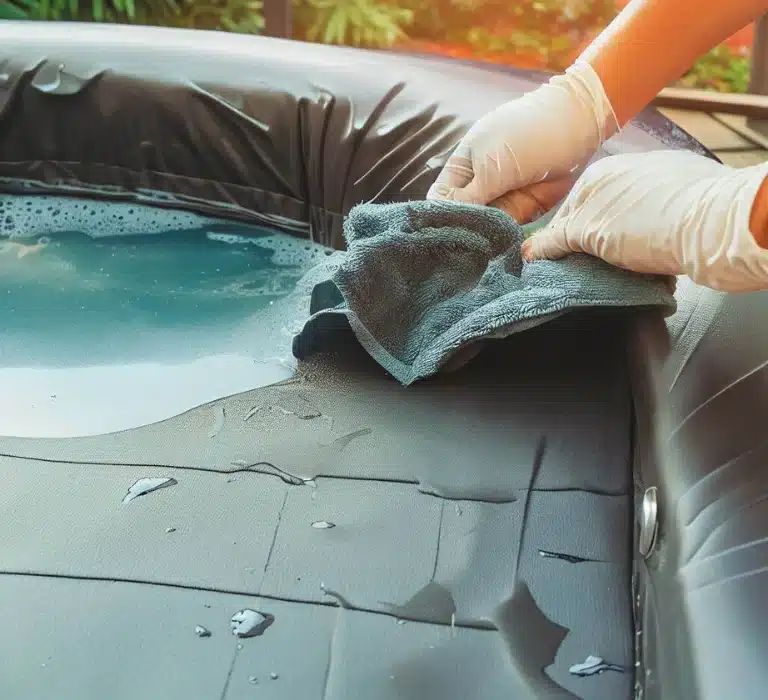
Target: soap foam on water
x=48 y=263
x=27 y=217
x=287 y=250
x=92 y=288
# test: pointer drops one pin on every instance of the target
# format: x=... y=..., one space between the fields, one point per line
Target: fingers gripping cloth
x=525 y=140
x=423 y=282
x=664 y=211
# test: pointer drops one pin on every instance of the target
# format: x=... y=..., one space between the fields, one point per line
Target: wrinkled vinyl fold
x=266 y=131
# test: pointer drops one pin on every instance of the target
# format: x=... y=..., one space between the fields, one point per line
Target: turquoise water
x=70 y=283
x=117 y=315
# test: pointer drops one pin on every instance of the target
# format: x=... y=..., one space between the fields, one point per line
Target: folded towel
x=422 y=282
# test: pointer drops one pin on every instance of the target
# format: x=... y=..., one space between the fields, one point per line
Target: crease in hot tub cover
x=422 y=282
x=281 y=133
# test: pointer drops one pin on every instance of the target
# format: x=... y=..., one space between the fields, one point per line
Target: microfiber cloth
x=423 y=283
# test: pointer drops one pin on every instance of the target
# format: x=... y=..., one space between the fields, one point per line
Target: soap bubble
x=32 y=216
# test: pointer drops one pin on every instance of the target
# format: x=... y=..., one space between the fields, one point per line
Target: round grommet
x=649 y=522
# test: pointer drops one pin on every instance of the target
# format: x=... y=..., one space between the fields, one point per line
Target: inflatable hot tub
x=580 y=512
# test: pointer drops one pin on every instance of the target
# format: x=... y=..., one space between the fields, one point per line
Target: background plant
x=230 y=15
x=535 y=33
x=369 y=23
x=722 y=69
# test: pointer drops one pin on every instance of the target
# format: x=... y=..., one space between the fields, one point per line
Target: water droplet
x=239 y=646
x=459 y=511
x=253 y=680
x=401 y=622
x=274 y=676
x=250 y=623
x=342 y=442
x=298 y=407
x=322 y=525
x=593 y=665
x=147 y=485
x=247 y=417
x=201 y=631
x=170 y=529
x=218 y=421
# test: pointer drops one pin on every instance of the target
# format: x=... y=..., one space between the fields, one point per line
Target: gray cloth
x=421 y=283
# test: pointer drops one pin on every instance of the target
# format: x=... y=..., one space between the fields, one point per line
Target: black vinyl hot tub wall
x=701 y=388
x=264 y=130
x=294 y=135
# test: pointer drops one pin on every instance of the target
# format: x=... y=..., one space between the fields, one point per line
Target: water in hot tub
x=116 y=315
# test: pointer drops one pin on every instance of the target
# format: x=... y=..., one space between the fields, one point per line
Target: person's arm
x=651 y=43
x=758 y=220
x=548 y=133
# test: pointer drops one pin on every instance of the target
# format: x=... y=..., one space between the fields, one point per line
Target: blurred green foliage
x=379 y=23
x=722 y=69
x=230 y=15
x=356 y=22
x=368 y=23
x=548 y=30
x=15 y=10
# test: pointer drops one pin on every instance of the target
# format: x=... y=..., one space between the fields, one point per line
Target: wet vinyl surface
x=100 y=300
x=376 y=541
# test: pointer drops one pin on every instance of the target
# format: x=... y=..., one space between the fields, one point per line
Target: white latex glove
x=546 y=133
x=665 y=212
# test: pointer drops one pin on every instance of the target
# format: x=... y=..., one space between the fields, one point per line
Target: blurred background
x=546 y=34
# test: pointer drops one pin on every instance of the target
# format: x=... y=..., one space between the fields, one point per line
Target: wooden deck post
x=278 y=20
x=758 y=81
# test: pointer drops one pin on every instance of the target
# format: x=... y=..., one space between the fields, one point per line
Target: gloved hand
x=665 y=212
x=546 y=133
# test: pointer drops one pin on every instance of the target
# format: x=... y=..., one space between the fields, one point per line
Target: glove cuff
x=588 y=88
x=726 y=255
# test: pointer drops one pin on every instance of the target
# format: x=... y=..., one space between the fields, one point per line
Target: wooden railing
x=278 y=18
x=758 y=81
x=753 y=105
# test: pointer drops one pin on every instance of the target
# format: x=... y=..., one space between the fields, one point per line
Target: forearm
x=651 y=43
x=758 y=220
